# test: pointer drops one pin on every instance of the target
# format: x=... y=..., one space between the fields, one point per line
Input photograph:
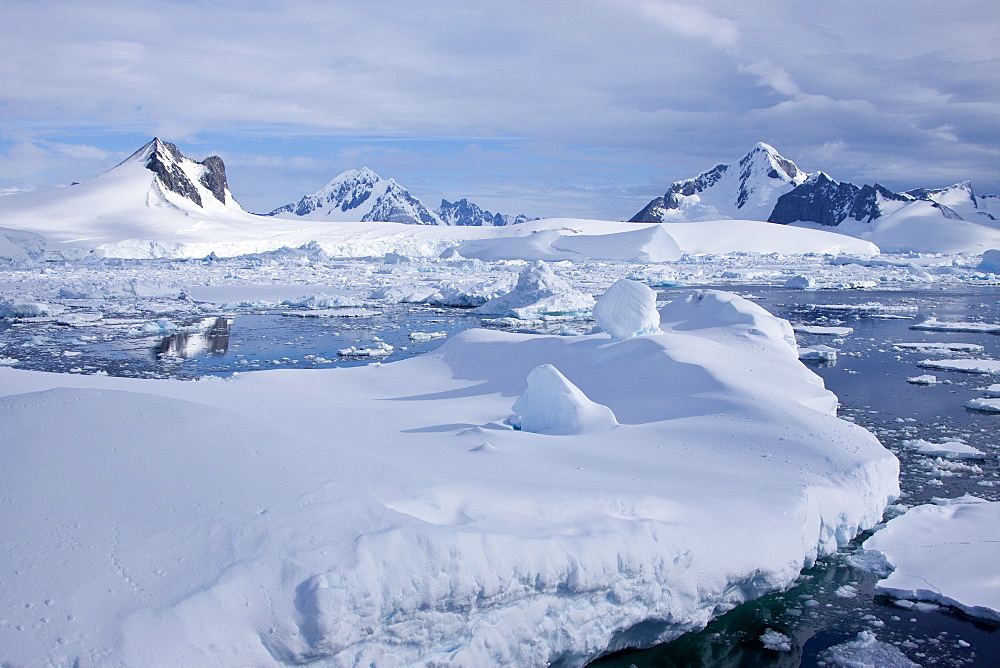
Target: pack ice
x=389 y=514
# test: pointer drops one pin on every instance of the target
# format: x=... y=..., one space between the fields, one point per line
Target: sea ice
x=964 y=365
x=947 y=552
x=949 y=449
x=935 y=325
x=627 y=309
x=554 y=405
x=776 y=641
x=984 y=405
x=924 y=379
x=823 y=331
x=867 y=651
x=929 y=347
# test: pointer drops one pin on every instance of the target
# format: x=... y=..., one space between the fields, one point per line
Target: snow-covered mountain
x=746 y=190
x=360 y=195
x=464 y=212
x=763 y=185
x=156 y=193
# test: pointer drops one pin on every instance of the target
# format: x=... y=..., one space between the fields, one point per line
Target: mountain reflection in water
x=207 y=335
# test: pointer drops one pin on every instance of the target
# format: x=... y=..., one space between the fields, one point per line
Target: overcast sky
x=544 y=107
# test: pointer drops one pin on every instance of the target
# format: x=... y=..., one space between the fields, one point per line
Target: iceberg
x=538 y=292
x=358 y=516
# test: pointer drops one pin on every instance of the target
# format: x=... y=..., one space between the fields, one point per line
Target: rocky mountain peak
x=179 y=174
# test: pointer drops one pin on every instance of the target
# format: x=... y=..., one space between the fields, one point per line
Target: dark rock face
x=819 y=199
x=671 y=200
x=165 y=160
x=652 y=212
x=214 y=178
x=464 y=212
x=866 y=204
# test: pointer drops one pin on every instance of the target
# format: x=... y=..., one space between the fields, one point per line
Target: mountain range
x=362 y=195
x=764 y=185
x=157 y=200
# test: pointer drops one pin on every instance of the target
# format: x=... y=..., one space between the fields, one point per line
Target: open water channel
x=829 y=604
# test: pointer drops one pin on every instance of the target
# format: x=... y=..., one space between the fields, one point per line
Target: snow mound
x=538 y=292
x=554 y=405
x=627 y=309
x=942 y=553
x=711 y=309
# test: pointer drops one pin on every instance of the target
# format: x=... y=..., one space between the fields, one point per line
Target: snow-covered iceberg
x=388 y=515
x=539 y=291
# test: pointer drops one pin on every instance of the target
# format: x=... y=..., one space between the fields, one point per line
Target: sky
x=583 y=108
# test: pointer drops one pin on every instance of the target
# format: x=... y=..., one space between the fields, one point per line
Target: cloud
x=674 y=87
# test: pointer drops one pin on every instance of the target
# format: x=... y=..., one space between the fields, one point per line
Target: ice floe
x=948 y=449
x=935 y=325
x=823 y=330
x=943 y=553
x=963 y=365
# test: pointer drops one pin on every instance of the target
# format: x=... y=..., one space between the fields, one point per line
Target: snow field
x=388 y=514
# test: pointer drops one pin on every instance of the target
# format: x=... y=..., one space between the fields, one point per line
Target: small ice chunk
x=775 y=641
x=866 y=652
x=554 y=405
x=818 y=353
x=993 y=390
x=824 y=331
x=925 y=379
x=627 y=310
x=424 y=337
x=377 y=349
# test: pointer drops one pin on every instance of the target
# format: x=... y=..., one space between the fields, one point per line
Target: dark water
x=869 y=377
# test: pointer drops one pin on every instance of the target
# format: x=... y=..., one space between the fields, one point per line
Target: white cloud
x=678 y=87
